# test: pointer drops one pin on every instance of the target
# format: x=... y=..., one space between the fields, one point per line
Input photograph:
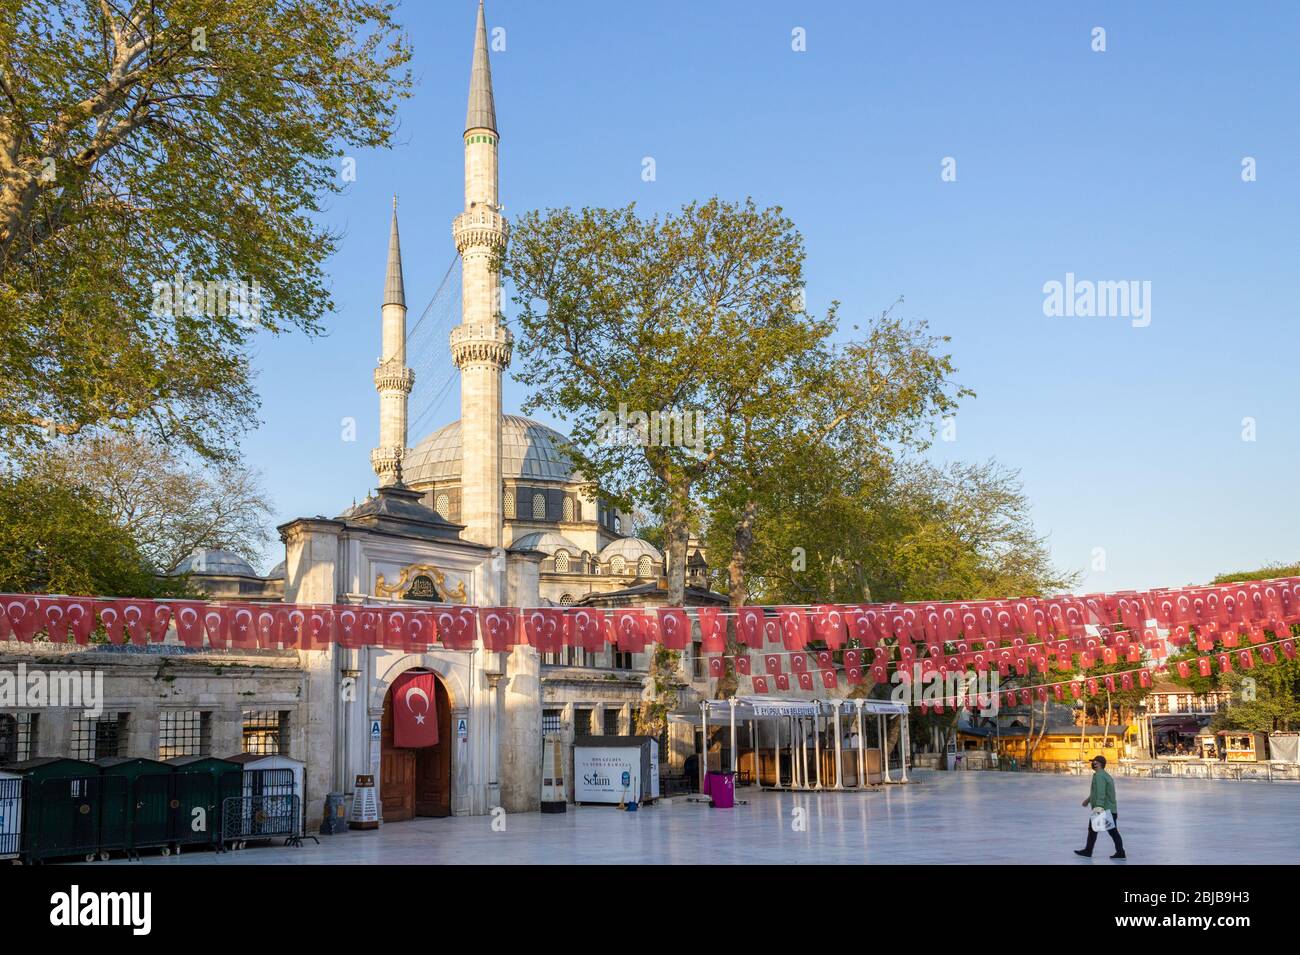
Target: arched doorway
x=416 y=782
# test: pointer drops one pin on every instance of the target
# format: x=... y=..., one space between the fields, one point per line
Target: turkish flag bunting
x=1288 y=649
x=760 y=684
x=828 y=679
x=499 y=627
x=392 y=622
x=137 y=616
x=1203 y=666
x=321 y=632
x=159 y=622
x=878 y=673
x=544 y=629
x=628 y=630
x=852 y=658
x=1025 y=697
x=1058 y=692
x=772 y=663
x=1184 y=669
x=828 y=625
x=1225 y=662
x=79 y=616
x=805 y=680
x=713 y=629
x=1267 y=655
x=1246 y=659
x=216 y=623
x=798 y=663
x=741 y=663
x=23 y=614
x=794 y=627
x=293 y=626
x=588 y=625
x=110 y=618
x=454 y=627
x=853 y=674
x=1092 y=686
x=1109 y=680
x=189 y=623
x=716 y=668
x=267 y=627
x=675 y=628
x=1144 y=678
x=421 y=629
x=749 y=626
x=1126 y=681
x=369 y=623
x=415 y=710
x=825 y=660
x=243 y=627
x=782 y=681
x=860 y=622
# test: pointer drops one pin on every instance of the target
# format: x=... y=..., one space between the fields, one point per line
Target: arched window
x=618 y=524
x=561 y=561
x=567 y=600
x=443 y=505
x=510 y=503
x=643 y=566
x=617 y=565
x=568 y=509
x=539 y=507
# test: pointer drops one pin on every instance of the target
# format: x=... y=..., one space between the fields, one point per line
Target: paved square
x=959 y=818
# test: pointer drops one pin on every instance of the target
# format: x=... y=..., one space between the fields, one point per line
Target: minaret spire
x=480 y=344
x=393 y=380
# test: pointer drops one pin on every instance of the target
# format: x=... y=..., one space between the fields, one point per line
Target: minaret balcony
x=480 y=226
x=481 y=342
x=393 y=377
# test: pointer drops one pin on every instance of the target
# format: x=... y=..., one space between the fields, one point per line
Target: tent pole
x=862 y=751
x=704 y=741
x=731 y=708
x=753 y=745
x=904 y=744
x=817 y=742
x=839 y=751
x=881 y=721
x=803 y=752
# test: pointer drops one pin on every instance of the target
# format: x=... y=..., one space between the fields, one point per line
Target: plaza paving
x=960 y=818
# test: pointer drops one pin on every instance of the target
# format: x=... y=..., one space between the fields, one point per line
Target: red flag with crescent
x=628 y=630
x=189 y=623
x=794 y=627
x=243 y=627
x=749 y=627
x=159 y=622
x=828 y=679
x=544 y=629
x=742 y=663
x=798 y=663
x=805 y=680
x=267 y=625
x=716 y=668
x=110 y=617
x=713 y=629
x=674 y=628
x=828 y=625
x=853 y=673
x=782 y=681
x=136 y=617
x=499 y=627
x=454 y=627
x=760 y=684
x=414 y=709
x=772 y=663
x=23 y=614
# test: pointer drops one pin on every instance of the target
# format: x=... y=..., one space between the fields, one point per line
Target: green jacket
x=1102 y=794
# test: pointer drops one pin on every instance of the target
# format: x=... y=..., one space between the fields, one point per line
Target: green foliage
x=56 y=539
x=1266 y=572
x=178 y=138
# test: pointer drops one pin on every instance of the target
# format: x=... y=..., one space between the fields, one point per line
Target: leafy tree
x=148 y=143
x=169 y=504
x=58 y=539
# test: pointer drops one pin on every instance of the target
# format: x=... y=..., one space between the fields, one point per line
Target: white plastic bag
x=1102 y=820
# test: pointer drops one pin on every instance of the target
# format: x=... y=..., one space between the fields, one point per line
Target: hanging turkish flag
x=1092 y=686
x=782 y=681
x=1267 y=655
x=798 y=662
x=675 y=628
x=1110 y=682
x=772 y=663
x=1144 y=678
x=50 y=611
x=455 y=628
x=760 y=684
x=853 y=674
x=828 y=680
x=878 y=673
x=392 y=624
x=713 y=629
x=293 y=626
x=189 y=623
x=321 y=627
x=794 y=627
x=268 y=628
x=24 y=618
x=860 y=623
x=825 y=660
x=368 y=623
x=544 y=628
x=136 y=616
x=79 y=618
x=828 y=625
x=216 y=623
x=1042 y=694
x=805 y=680
x=110 y=618
x=715 y=667
x=628 y=631
x=1246 y=659
x=852 y=658
x=1184 y=669
x=499 y=627
x=1057 y=692
x=587 y=628
x=415 y=710
x=741 y=663
x=749 y=626
x=159 y=621
x=1230 y=637
x=1203 y=666
x=1026 y=697
x=1126 y=681
x=1288 y=649
x=243 y=627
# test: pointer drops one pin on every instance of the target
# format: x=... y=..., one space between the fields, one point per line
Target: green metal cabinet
x=201 y=783
x=61 y=807
x=135 y=815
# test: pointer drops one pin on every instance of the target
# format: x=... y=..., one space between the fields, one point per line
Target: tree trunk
x=742 y=543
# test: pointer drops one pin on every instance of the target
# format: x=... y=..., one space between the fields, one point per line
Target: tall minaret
x=393 y=380
x=480 y=345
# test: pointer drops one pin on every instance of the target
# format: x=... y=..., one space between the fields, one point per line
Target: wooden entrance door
x=416 y=782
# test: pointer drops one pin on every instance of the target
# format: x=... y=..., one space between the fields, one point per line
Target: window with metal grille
x=568 y=509
x=581 y=722
x=509 y=501
x=561 y=561
x=617 y=565
x=18 y=733
x=184 y=733
x=99 y=738
x=552 y=721
x=610 y=720
x=266 y=732
x=539 y=507
x=442 y=504
x=567 y=600
x=643 y=567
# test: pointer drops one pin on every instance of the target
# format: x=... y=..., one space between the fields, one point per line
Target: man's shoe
x=1080 y=852
x=1119 y=855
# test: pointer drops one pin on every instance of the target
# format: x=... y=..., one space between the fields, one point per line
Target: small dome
x=278 y=572
x=631 y=549
x=529 y=450
x=546 y=541
x=208 y=560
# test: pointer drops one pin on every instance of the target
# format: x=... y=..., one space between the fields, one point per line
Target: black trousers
x=1114 y=835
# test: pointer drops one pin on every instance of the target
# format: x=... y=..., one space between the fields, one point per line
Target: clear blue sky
x=1114 y=166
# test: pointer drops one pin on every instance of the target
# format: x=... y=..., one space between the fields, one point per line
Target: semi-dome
x=529 y=450
x=631 y=549
x=548 y=542
x=211 y=560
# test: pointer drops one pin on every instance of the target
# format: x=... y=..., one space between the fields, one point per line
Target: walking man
x=1102 y=796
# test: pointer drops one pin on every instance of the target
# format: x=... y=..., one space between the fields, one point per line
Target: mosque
x=485 y=511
